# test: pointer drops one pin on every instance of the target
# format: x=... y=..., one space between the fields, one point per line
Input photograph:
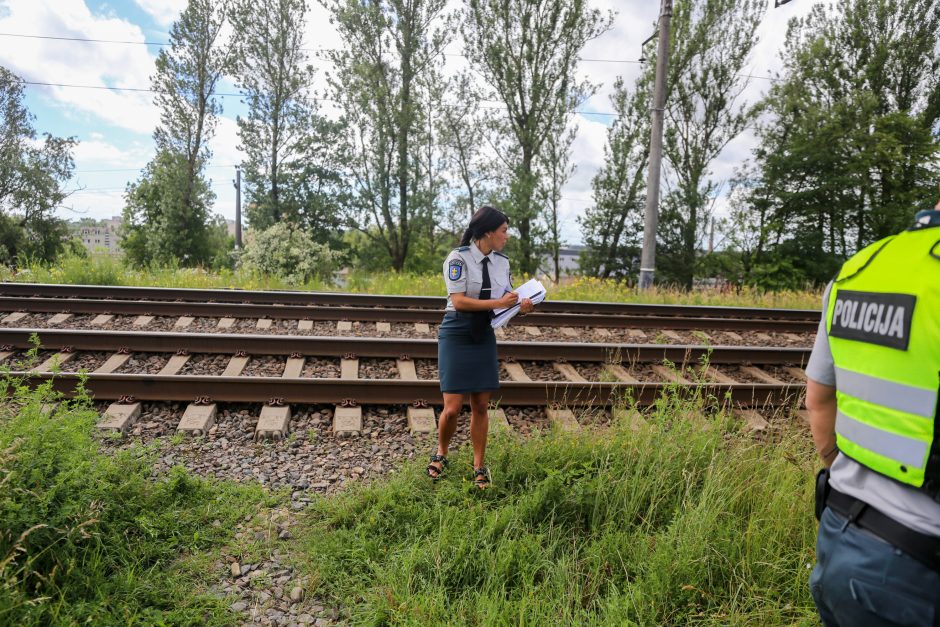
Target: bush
x=289 y=253
x=92 y=538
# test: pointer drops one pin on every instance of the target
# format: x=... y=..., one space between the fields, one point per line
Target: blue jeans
x=861 y=580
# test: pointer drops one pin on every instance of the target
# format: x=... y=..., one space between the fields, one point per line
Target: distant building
x=102 y=236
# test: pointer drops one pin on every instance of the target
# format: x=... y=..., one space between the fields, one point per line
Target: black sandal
x=481 y=477
x=439 y=459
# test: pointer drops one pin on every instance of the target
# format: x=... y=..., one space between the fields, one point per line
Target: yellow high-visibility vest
x=883 y=322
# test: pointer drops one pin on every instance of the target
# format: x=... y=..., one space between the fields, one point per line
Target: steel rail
x=338 y=299
x=306 y=345
x=373 y=314
x=388 y=391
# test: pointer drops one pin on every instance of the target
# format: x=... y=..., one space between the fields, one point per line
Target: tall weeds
x=95 y=539
x=106 y=270
x=677 y=522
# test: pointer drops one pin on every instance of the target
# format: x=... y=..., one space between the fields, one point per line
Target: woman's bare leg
x=447 y=423
x=479 y=425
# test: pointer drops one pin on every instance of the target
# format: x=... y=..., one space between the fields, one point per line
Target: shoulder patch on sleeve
x=455 y=269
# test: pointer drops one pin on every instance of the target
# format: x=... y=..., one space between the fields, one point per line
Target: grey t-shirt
x=904 y=504
x=463 y=273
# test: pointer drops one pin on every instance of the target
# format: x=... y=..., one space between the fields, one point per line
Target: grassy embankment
x=90 y=538
x=687 y=520
x=675 y=523
x=103 y=270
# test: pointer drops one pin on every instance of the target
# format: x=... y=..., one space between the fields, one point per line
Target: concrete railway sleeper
x=130 y=390
x=597 y=376
x=314 y=346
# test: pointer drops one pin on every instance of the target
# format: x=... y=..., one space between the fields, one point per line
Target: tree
x=611 y=228
x=711 y=41
x=283 y=135
x=527 y=51
x=185 y=81
x=430 y=196
x=380 y=79
x=465 y=136
x=746 y=228
x=314 y=195
x=156 y=230
x=557 y=167
x=32 y=179
x=848 y=150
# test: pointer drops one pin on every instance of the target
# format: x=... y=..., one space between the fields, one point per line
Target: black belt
x=920 y=546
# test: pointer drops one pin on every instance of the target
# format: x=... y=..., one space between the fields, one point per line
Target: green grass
x=105 y=270
x=675 y=524
x=90 y=538
x=687 y=520
x=594 y=289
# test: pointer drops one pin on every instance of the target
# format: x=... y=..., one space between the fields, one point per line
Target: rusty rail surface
x=314 y=346
x=378 y=314
x=389 y=391
x=339 y=299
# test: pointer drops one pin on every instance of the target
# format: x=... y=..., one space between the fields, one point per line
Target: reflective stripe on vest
x=899 y=396
x=891 y=445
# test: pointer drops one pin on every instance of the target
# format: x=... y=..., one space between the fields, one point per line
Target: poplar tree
x=390 y=48
x=167 y=213
x=612 y=228
x=465 y=135
x=527 y=52
x=285 y=139
x=555 y=171
x=711 y=41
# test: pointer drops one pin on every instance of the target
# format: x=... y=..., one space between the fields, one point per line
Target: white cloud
x=93 y=203
x=98 y=152
x=81 y=63
x=164 y=12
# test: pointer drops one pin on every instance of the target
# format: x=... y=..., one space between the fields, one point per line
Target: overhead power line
x=232 y=95
x=140 y=168
x=166 y=43
x=87 y=40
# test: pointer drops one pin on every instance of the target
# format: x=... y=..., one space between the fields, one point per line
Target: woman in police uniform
x=478 y=281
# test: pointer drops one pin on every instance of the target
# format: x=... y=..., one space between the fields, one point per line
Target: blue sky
x=115 y=128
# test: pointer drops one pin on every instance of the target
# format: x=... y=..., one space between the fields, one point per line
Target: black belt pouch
x=822 y=491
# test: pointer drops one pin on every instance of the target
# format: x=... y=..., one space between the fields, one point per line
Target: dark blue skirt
x=465 y=366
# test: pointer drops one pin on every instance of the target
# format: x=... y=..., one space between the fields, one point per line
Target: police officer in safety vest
x=872 y=396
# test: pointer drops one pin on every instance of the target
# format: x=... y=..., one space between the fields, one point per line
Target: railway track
x=580 y=374
x=322 y=306
x=287 y=352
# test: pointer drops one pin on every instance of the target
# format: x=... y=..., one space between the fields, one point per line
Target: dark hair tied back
x=486 y=219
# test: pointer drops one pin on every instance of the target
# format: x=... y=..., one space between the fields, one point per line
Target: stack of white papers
x=531 y=289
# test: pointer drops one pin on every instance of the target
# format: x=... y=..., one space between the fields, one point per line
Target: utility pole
x=648 y=258
x=238 y=207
